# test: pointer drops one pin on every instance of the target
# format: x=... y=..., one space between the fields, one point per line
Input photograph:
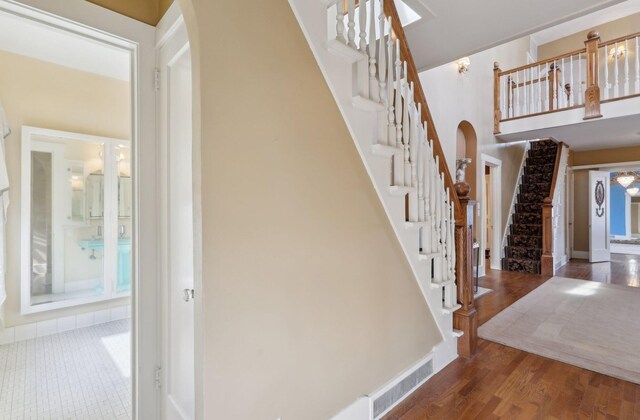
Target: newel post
x=465 y=318
x=496 y=98
x=592 y=93
x=547 y=238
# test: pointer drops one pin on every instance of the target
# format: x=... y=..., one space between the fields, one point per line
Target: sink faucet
x=122 y=231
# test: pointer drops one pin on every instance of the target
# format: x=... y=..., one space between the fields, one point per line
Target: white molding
x=613 y=166
x=582 y=255
x=138 y=38
x=495 y=175
x=362 y=407
x=514 y=198
x=62 y=324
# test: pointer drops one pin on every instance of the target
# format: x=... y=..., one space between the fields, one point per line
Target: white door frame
x=172 y=33
x=96 y=22
x=601 y=254
x=495 y=177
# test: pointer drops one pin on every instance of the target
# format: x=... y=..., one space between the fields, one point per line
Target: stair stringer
x=339 y=71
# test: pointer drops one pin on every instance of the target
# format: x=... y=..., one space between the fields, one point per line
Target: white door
x=599 y=216
x=178 y=369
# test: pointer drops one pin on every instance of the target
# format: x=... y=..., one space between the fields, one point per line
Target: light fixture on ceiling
x=463 y=65
x=625 y=179
x=618 y=52
x=633 y=191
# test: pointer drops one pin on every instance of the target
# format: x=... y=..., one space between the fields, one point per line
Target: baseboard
x=66 y=323
x=562 y=261
x=379 y=403
x=583 y=255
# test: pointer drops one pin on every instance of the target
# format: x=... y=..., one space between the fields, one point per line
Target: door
x=178 y=369
x=599 y=216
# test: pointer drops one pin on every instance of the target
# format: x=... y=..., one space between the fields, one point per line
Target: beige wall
x=147 y=11
x=41 y=94
x=635 y=218
x=608 y=31
x=604 y=156
x=308 y=299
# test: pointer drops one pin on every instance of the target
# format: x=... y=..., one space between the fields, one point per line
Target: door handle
x=188 y=294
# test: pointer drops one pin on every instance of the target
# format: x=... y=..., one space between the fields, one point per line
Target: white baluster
x=503 y=100
x=572 y=87
x=546 y=91
x=606 y=74
x=382 y=69
x=420 y=163
x=433 y=192
x=562 y=93
x=525 y=105
x=443 y=228
x=539 y=89
x=637 y=90
x=510 y=95
x=453 y=241
x=626 y=68
x=362 y=67
x=555 y=85
x=374 y=93
x=517 y=107
x=362 y=21
x=391 y=128
x=351 y=24
x=398 y=101
x=409 y=176
x=616 y=80
x=532 y=107
x=579 y=79
x=340 y=22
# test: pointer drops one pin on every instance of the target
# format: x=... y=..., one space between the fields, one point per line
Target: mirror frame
x=110 y=221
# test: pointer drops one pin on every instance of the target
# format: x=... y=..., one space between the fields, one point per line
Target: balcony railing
x=599 y=73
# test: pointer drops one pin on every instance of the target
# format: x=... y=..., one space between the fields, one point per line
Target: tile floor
x=82 y=374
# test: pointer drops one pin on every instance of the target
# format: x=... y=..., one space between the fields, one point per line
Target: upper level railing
x=601 y=72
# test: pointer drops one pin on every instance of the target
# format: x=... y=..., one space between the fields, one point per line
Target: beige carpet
x=592 y=325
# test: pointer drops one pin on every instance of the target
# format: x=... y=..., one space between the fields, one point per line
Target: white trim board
x=495 y=177
x=62 y=324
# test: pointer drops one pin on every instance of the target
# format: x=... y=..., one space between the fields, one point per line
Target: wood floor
x=504 y=383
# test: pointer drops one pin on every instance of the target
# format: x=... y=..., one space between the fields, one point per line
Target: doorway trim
x=495 y=179
x=89 y=20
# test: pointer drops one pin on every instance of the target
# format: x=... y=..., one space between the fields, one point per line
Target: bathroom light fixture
x=633 y=191
x=617 y=53
x=463 y=65
x=625 y=179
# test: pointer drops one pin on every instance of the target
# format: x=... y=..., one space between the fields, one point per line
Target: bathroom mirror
x=76 y=223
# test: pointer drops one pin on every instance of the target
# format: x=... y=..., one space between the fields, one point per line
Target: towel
x=4 y=205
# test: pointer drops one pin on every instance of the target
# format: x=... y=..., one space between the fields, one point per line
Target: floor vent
x=400 y=390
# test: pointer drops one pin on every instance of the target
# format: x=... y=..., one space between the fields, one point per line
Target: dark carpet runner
x=524 y=241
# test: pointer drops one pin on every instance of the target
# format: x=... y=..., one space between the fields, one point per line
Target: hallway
x=505 y=383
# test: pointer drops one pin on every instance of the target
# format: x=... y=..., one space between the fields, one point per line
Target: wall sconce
x=617 y=53
x=633 y=191
x=463 y=65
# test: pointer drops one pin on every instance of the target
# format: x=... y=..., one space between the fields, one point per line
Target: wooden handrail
x=619 y=39
x=412 y=76
x=541 y=62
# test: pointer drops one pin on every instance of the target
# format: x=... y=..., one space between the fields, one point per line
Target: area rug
x=584 y=323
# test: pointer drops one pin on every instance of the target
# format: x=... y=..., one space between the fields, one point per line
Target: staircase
x=524 y=242
x=362 y=65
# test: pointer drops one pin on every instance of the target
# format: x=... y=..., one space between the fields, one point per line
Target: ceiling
x=584 y=23
x=607 y=133
x=450 y=29
x=22 y=36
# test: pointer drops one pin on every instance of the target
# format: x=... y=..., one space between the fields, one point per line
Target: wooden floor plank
x=500 y=382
